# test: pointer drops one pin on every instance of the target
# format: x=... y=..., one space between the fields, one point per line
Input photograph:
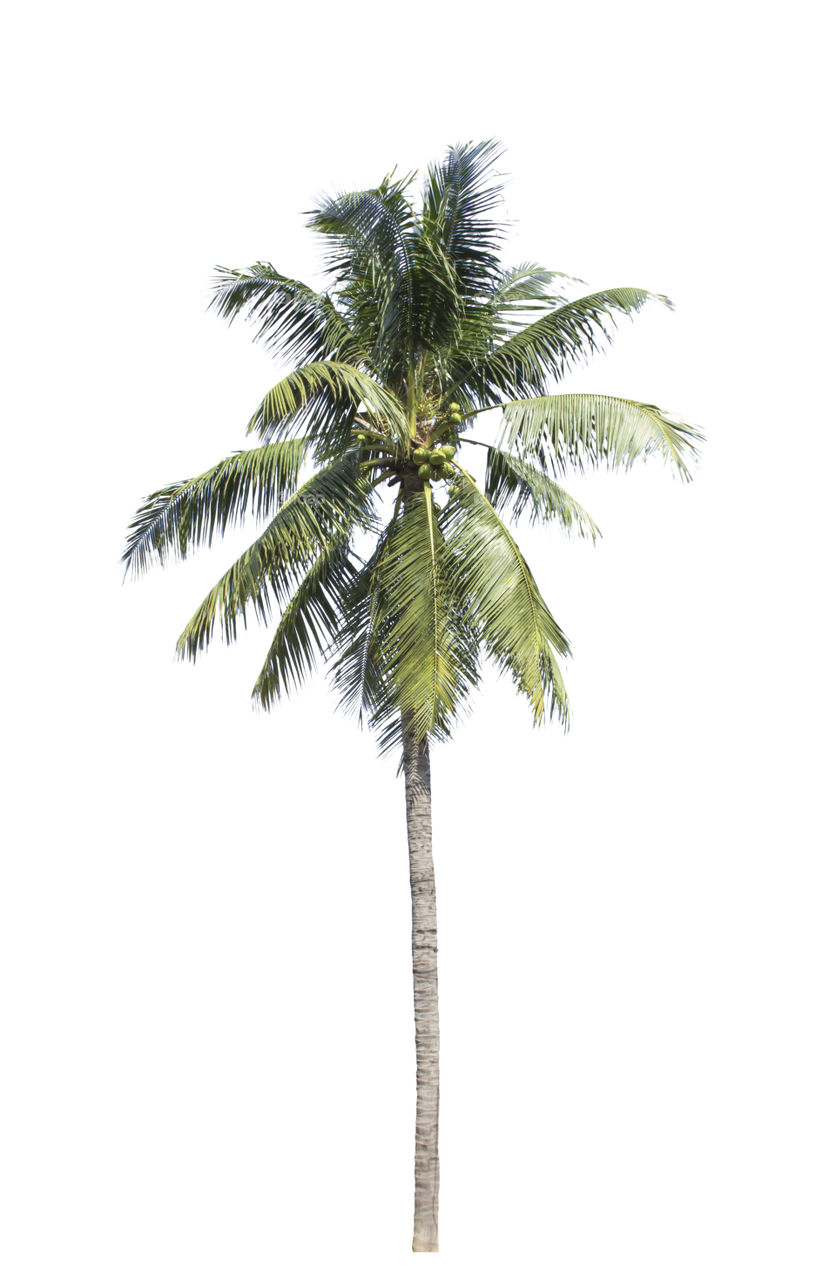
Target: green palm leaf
x=308 y=624
x=408 y=648
x=371 y=238
x=584 y=429
x=357 y=673
x=546 y=348
x=429 y=668
x=511 y=482
x=182 y=516
x=459 y=196
x=289 y=317
x=525 y=286
x=329 y=505
x=323 y=398
x=507 y=609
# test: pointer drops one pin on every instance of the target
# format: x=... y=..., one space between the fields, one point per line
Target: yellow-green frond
x=499 y=592
x=409 y=648
x=319 y=396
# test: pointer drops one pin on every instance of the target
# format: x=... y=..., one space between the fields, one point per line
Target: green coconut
x=421 y=455
x=449 y=450
x=425 y=471
x=437 y=457
x=456 y=418
x=455 y=408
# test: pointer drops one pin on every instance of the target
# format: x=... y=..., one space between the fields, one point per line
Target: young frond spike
x=459 y=195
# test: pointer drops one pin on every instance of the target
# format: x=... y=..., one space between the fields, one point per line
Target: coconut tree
x=385 y=547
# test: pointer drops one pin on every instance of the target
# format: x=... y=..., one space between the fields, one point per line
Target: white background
x=206 y=1007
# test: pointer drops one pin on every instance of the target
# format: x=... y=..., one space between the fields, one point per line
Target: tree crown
x=420 y=330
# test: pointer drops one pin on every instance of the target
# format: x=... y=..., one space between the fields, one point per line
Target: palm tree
x=420 y=331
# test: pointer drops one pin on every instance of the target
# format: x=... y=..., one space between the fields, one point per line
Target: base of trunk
x=425 y=1244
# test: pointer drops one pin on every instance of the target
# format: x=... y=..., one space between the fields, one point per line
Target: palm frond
x=409 y=648
x=329 y=505
x=185 y=515
x=595 y=430
x=438 y=307
x=528 y=284
x=429 y=669
x=508 y=611
x=511 y=482
x=322 y=398
x=357 y=673
x=288 y=316
x=308 y=624
x=371 y=243
x=459 y=196
x=525 y=362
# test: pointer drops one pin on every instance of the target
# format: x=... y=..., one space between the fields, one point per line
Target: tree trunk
x=425 y=987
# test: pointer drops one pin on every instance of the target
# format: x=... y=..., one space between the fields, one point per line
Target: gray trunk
x=425 y=988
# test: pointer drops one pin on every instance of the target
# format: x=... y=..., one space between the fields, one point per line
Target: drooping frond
x=308 y=624
x=329 y=505
x=357 y=672
x=183 y=516
x=596 y=430
x=429 y=667
x=512 y=483
x=288 y=316
x=508 y=611
x=321 y=398
x=410 y=648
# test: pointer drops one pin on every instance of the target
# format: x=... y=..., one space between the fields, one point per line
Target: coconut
x=425 y=471
x=421 y=455
x=455 y=408
x=456 y=418
x=448 y=450
x=437 y=457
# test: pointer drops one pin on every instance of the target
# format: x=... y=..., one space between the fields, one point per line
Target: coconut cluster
x=432 y=458
x=434 y=464
x=434 y=461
